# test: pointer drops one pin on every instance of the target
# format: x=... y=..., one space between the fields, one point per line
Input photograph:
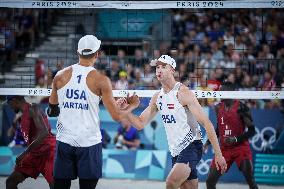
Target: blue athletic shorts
x=190 y=155
x=83 y=162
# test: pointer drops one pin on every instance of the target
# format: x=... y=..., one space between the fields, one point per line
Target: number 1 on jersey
x=222 y=120
x=79 y=78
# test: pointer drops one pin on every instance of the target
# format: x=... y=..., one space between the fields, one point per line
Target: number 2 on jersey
x=160 y=103
x=79 y=78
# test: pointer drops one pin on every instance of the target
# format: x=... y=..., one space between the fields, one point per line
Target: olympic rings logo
x=204 y=166
x=123 y=93
x=258 y=138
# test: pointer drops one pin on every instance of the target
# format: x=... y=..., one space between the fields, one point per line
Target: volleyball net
x=150 y=93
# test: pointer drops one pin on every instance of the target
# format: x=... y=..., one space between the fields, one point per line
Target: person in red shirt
x=233 y=117
x=38 y=157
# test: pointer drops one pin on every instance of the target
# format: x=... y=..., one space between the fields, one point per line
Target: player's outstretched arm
x=187 y=98
x=139 y=122
x=109 y=102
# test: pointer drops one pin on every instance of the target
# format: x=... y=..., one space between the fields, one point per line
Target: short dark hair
x=89 y=56
x=228 y=86
x=17 y=97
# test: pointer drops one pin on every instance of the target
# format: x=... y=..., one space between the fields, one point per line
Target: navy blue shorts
x=83 y=162
x=190 y=155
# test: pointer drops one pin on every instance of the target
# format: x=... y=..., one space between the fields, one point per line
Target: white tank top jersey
x=180 y=125
x=78 y=121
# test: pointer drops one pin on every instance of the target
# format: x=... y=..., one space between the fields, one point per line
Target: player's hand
x=230 y=140
x=133 y=100
x=11 y=131
x=121 y=103
x=221 y=164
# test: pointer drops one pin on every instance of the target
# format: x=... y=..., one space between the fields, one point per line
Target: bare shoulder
x=184 y=92
x=63 y=73
x=98 y=83
x=97 y=75
x=98 y=78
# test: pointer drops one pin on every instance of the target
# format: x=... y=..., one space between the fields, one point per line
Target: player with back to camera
x=75 y=98
x=180 y=113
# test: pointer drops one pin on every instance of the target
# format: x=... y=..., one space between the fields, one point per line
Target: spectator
x=27 y=28
x=246 y=83
x=228 y=38
x=138 y=60
x=208 y=62
x=122 y=83
x=267 y=83
x=39 y=69
x=105 y=138
x=121 y=59
x=59 y=66
x=213 y=82
x=127 y=137
x=204 y=87
x=148 y=75
x=41 y=83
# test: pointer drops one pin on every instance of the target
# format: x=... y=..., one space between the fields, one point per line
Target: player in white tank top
x=180 y=125
x=78 y=121
x=75 y=97
x=180 y=110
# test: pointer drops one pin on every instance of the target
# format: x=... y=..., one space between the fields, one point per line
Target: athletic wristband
x=53 y=110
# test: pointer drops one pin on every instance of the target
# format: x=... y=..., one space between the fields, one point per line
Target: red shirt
x=230 y=123
x=30 y=131
x=214 y=84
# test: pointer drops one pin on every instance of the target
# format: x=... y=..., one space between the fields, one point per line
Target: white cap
x=165 y=59
x=89 y=42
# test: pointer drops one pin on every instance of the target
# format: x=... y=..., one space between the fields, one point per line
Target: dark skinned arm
x=13 y=128
x=245 y=115
x=42 y=132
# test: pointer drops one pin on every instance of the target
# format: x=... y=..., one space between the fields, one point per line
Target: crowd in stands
x=243 y=46
x=20 y=31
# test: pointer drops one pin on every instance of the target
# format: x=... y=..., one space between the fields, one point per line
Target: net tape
x=143 y=4
x=150 y=93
